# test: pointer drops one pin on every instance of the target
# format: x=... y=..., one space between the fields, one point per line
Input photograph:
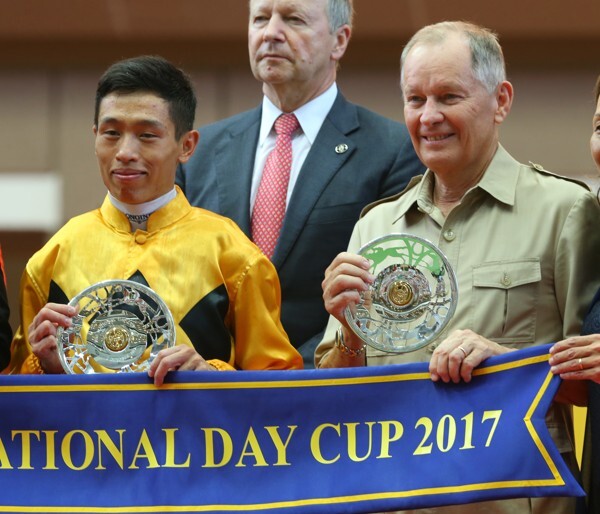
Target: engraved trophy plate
x=120 y=327
x=412 y=299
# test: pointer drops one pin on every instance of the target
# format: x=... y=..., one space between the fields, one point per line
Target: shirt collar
x=499 y=181
x=162 y=217
x=311 y=115
x=143 y=208
x=500 y=178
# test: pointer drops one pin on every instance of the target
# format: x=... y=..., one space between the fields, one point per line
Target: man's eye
x=451 y=97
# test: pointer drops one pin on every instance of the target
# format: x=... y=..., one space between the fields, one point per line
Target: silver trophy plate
x=120 y=327
x=412 y=299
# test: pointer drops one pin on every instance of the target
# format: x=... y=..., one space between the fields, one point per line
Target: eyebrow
x=141 y=121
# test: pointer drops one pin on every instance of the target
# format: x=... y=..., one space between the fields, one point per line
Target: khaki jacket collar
x=499 y=181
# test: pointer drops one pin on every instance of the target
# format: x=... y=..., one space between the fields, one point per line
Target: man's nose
x=275 y=29
x=128 y=149
x=431 y=112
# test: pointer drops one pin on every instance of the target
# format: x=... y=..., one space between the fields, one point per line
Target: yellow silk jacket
x=222 y=291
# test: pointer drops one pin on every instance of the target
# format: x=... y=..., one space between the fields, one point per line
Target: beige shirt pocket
x=504 y=300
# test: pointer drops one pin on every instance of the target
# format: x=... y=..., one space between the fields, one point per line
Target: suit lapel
x=234 y=157
x=321 y=164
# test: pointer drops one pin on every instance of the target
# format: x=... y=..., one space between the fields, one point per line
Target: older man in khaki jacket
x=522 y=241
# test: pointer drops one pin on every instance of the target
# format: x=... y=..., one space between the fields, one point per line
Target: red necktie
x=269 y=207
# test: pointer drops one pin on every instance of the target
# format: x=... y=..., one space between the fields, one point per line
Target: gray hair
x=487 y=59
x=340 y=12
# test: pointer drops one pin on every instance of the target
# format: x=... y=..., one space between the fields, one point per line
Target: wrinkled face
x=289 y=42
x=451 y=117
x=595 y=140
x=136 y=147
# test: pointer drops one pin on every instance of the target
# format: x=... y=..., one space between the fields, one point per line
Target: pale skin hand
x=459 y=354
x=576 y=360
x=566 y=355
x=42 y=334
x=450 y=363
x=344 y=278
x=181 y=358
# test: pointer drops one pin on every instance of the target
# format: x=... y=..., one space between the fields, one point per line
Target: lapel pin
x=343 y=148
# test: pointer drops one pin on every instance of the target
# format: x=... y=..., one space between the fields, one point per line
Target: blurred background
x=52 y=54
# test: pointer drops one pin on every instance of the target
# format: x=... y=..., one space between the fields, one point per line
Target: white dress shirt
x=310 y=116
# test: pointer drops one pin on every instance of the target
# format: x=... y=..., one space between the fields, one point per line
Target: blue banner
x=314 y=441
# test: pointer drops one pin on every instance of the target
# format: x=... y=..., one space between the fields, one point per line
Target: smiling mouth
x=436 y=138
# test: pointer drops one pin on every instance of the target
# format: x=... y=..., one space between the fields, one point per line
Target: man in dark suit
x=343 y=156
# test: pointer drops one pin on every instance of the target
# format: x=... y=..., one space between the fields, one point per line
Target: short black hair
x=152 y=74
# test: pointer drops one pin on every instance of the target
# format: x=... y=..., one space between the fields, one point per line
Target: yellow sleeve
x=260 y=339
x=220 y=365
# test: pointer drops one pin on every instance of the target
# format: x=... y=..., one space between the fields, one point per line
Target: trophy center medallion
x=401 y=293
x=116 y=339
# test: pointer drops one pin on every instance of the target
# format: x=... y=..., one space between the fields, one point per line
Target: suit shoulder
x=378 y=120
x=414 y=181
x=217 y=127
x=374 y=127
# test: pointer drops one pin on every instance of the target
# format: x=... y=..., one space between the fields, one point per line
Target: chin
x=129 y=197
x=272 y=74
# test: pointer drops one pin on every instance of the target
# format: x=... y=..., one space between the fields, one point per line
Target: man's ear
x=342 y=38
x=504 y=97
x=189 y=141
